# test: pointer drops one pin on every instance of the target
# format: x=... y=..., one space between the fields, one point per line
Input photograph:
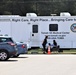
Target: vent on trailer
x=65 y=14
x=9 y=16
x=31 y=15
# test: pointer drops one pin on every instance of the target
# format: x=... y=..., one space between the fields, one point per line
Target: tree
x=41 y=7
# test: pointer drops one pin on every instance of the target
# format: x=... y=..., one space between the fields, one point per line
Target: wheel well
x=4 y=50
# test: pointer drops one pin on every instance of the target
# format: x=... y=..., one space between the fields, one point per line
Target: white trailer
x=32 y=30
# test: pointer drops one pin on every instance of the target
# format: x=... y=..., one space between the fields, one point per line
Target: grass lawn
x=69 y=51
x=39 y=51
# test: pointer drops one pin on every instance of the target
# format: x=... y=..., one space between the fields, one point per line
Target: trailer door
x=35 y=36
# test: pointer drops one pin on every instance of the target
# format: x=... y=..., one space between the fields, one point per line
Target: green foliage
x=39 y=51
x=41 y=7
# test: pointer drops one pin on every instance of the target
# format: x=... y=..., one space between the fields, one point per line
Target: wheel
x=4 y=55
x=17 y=55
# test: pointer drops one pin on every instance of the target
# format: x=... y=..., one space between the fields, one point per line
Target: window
x=5 y=40
x=35 y=29
x=53 y=27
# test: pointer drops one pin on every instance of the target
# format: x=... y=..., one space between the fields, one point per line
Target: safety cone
x=49 y=50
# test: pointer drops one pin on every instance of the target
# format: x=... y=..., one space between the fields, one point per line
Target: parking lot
x=56 y=64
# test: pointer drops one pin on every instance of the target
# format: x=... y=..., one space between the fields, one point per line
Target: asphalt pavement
x=57 y=64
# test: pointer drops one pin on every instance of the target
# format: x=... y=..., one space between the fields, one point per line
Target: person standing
x=44 y=44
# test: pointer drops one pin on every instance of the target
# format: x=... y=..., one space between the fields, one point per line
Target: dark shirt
x=44 y=42
x=55 y=43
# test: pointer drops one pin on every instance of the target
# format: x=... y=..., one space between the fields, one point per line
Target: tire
x=16 y=55
x=4 y=55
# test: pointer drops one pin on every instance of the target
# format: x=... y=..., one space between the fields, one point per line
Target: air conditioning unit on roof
x=65 y=14
x=31 y=15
